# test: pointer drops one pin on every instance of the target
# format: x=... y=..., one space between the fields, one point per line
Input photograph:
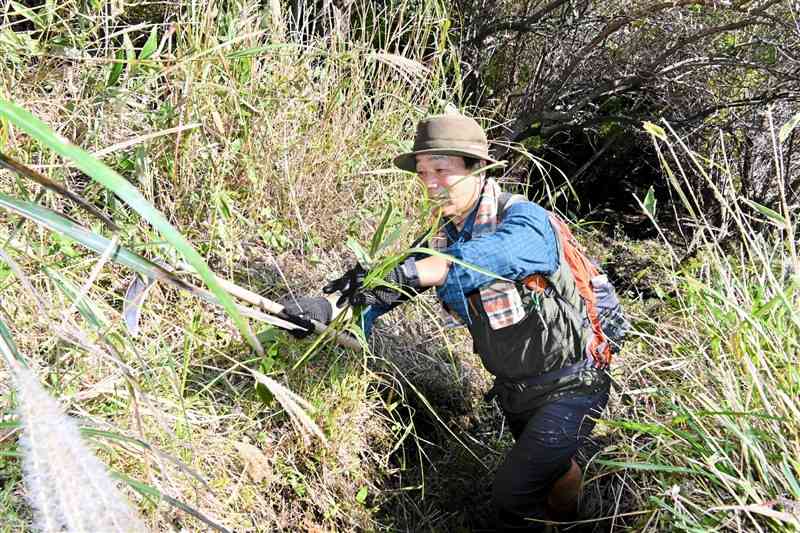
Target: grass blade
x=377 y=238
x=149 y=47
x=88 y=309
x=362 y=256
x=151 y=492
x=92 y=432
x=107 y=177
x=8 y=347
x=121 y=255
x=47 y=183
x=652 y=467
x=431 y=251
x=787 y=128
x=773 y=216
x=116 y=68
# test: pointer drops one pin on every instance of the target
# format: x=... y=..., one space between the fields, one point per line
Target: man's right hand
x=348 y=285
x=303 y=309
x=400 y=283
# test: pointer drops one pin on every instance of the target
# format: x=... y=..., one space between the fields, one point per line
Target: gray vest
x=553 y=334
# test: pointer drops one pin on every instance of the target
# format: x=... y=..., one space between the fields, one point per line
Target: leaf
x=650 y=203
x=107 y=177
x=86 y=307
x=392 y=238
x=652 y=467
x=116 y=68
x=361 y=495
x=430 y=251
x=121 y=255
x=256 y=463
x=362 y=256
x=134 y=298
x=8 y=347
x=655 y=130
x=264 y=394
x=787 y=128
x=29 y=14
x=223 y=203
x=130 y=53
x=793 y=483
x=773 y=216
x=266 y=366
x=377 y=238
x=257 y=51
x=117 y=437
x=150 y=46
x=28 y=173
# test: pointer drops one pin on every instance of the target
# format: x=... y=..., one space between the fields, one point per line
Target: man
x=528 y=321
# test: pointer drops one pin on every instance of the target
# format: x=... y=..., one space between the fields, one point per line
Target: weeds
x=287 y=121
x=264 y=135
x=719 y=439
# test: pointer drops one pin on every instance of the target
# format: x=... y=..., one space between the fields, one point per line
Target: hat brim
x=408 y=161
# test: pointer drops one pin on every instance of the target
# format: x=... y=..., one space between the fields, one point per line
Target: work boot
x=565 y=495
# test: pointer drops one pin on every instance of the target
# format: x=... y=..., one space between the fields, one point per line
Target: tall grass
x=265 y=136
x=251 y=131
x=715 y=446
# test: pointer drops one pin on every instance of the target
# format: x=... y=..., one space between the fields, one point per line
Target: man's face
x=449 y=182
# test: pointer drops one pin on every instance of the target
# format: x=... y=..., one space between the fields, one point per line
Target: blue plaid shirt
x=523 y=244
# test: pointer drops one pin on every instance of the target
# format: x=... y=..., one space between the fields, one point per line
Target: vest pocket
x=544 y=340
x=513 y=351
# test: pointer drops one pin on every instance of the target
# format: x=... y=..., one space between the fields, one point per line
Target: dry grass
x=263 y=182
x=278 y=135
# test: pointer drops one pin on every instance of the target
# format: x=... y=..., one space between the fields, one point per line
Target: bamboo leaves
x=116 y=68
x=130 y=195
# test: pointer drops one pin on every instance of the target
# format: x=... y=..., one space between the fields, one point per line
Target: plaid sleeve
x=523 y=244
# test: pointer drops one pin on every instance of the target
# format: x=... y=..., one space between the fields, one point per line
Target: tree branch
x=524 y=25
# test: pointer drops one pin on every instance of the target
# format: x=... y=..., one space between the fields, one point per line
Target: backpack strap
x=506 y=200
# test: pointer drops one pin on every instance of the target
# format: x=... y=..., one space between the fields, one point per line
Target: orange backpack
x=602 y=305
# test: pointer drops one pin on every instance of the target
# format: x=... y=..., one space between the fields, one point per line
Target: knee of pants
x=520 y=486
x=520 y=501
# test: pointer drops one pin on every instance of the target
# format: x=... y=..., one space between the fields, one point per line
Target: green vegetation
x=254 y=140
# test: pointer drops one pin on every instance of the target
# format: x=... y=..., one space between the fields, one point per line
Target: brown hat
x=449 y=134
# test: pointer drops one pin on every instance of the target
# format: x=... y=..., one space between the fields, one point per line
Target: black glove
x=300 y=311
x=403 y=278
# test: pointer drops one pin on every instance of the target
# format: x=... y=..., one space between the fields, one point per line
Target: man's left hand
x=301 y=310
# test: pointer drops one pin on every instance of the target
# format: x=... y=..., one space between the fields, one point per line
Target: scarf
x=501 y=299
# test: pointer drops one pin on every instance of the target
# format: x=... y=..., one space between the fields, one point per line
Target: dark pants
x=546 y=439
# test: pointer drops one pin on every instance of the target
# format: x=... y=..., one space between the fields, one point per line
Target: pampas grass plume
x=68 y=487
